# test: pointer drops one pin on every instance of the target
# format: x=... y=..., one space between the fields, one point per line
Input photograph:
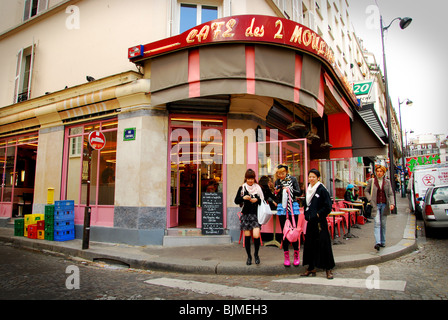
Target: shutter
x=31 y=71
x=42 y=6
x=27 y=10
x=18 y=73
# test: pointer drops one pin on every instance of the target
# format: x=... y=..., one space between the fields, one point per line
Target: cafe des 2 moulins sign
x=244 y=28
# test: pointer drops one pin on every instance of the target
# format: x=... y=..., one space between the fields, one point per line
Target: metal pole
x=403 y=189
x=389 y=123
x=87 y=211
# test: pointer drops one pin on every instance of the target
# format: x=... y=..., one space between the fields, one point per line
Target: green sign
x=129 y=134
x=362 y=88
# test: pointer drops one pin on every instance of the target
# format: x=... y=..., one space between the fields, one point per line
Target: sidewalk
x=231 y=259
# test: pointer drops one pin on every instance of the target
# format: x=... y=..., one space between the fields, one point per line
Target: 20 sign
x=362 y=88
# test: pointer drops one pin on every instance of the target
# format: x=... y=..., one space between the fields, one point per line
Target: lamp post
x=404 y=23
x=403 y=162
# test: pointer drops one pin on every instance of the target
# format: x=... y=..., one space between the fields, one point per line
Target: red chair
x=330 y=226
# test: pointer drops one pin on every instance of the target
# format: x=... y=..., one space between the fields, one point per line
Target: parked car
x=425 y=176
x=435 y=207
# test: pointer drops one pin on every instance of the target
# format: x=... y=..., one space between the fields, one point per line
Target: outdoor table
x=334 y=214
x=274 y=242
x=349 y=210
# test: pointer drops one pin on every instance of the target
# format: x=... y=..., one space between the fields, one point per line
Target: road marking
x=351 y=283
x=235 y=292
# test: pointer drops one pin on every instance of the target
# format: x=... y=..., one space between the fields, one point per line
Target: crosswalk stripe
x=235 y=292
x=395 y=285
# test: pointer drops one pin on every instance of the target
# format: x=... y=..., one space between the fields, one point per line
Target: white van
x=423 y=177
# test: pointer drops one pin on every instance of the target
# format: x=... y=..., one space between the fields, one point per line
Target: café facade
x=238 y=92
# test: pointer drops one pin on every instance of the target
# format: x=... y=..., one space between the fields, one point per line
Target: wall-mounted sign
x=362 y=88
x=129 y=134
x=248 y=28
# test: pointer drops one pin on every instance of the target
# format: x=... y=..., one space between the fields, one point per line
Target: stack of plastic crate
x=64 y=220
x=49 y=222
x=41 y=229
x=19 y=227
x=31 y=221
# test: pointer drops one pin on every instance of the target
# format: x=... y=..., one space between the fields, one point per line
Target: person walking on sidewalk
x=380 y=194
x=283 y=181
x=317 y=251
x=250 y=195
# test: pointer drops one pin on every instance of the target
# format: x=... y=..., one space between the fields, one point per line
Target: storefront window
x=18 y=168
x=102 y=170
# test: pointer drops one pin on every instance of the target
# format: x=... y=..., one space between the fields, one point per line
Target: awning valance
x=238 y=69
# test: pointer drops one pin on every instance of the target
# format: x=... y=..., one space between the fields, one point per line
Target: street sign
x=97 y=140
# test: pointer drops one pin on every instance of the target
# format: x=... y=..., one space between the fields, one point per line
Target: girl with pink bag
x=287 y=187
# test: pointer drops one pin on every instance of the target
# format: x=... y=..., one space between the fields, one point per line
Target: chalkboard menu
x=212 y=215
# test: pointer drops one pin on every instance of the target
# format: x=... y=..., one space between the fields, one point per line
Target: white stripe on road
x=351 y=283
x=235 y=292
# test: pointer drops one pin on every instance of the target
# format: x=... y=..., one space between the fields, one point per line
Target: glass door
x=196 y=166
x=271 y=153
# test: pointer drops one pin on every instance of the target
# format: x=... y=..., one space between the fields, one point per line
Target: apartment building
x=188 y=95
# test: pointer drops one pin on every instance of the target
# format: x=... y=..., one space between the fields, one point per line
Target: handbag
x=290 y=230
x=264 y=212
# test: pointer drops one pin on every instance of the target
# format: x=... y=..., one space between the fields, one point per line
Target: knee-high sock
x=247 y=241
x=256 y=245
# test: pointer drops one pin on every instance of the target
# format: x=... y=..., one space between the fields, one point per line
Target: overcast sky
x=416 y=57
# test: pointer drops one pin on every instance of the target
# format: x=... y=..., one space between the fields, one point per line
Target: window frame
x=199 y=4
x=20 y=81
x=39 y=5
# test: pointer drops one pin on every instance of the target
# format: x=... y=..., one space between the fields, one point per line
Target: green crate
x=49 y=212
x=49 y=235
x=19 y=227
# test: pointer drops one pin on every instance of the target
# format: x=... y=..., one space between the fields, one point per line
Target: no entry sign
x=97 y=140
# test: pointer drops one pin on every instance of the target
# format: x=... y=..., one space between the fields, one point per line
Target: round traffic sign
x=97 y=140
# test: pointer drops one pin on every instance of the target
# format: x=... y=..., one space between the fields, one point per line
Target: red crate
x=41 y=225
x=32 y=231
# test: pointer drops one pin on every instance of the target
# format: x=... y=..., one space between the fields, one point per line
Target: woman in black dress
x=317 y=250
x=250 y=195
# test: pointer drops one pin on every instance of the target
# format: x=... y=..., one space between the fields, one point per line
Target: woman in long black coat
x=317 y=250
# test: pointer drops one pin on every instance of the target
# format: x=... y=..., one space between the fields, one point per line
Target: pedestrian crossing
x=395 y=285
x=233 y=292
x=239 y=292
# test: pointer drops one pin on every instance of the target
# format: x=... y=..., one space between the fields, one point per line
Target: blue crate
x=61 y=225
x=64 y=215
x=64 y=235
x=64 y=205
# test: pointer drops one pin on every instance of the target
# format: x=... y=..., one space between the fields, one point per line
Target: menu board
x=212 y=214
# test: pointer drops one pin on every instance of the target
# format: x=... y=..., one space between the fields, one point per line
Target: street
x=28 y=275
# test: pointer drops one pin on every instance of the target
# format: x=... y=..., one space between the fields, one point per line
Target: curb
x=405 y=246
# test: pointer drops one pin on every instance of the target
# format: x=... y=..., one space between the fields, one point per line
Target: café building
x=238 y=92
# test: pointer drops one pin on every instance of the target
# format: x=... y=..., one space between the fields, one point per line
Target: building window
x=195 y=14
x=33 y=8
x=102 y=174
x=24 y=71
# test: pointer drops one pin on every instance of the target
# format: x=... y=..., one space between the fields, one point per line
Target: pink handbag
x=290 y=231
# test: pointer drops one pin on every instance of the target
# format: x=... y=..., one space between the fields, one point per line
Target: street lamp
x=403 y=162
x=404 y=23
